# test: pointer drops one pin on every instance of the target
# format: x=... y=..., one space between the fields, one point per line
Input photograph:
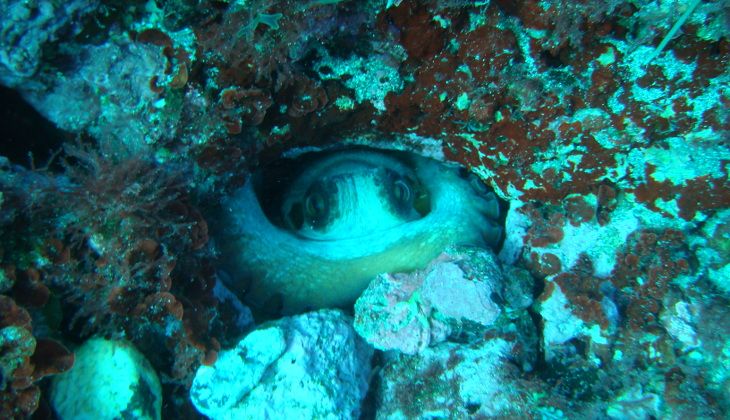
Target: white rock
x=308 y=366
x=109 y=379
x=259 y=350
x=458 y=297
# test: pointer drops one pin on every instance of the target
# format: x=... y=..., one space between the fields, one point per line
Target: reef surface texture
x=459 y=209
x=410 y=311
x=307 y=366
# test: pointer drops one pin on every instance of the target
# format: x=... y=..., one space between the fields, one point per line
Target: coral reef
x=601 y=126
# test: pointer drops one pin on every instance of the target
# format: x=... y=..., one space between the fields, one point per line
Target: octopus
x=312 y=232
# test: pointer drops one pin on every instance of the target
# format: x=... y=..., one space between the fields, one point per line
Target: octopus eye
x=401 y=191
x=404 y=194
x=295 y=219
x=478 y=185
x=315 y=205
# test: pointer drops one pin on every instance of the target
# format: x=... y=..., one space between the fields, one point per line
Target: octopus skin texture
x=315 y=236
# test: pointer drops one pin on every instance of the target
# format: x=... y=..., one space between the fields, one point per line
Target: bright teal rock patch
x=109 y=379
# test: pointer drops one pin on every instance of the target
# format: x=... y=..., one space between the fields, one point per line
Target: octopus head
x=311 y=232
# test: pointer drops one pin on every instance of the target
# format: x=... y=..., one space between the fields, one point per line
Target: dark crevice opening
x=27 y=138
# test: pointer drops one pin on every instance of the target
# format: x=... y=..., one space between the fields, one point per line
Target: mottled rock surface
x=109 y=379
x=108 y=93
x=410 y=311
x=308 y=366
x=452 y=381
x=27 y=27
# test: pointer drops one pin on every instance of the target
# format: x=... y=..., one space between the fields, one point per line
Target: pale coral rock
x=109 y=379
x=217 y=389
x=679 y=320
x=410 y=311
x=308 y=366
x=561 y=325
x=451 y=381
x=389 y=314
x=455 y=296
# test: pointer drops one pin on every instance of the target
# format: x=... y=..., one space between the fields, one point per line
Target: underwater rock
x=554 y=243
x=561 y=325
x=410 y=311
x=25 y=360
x=518 y=288
x=315 y=233
x=712 y=247
x=308 y=366
x=109 y=94
x=452 y=381
x=679 y=319
x=27 y=27
x=635 y=404
x=110 y=379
